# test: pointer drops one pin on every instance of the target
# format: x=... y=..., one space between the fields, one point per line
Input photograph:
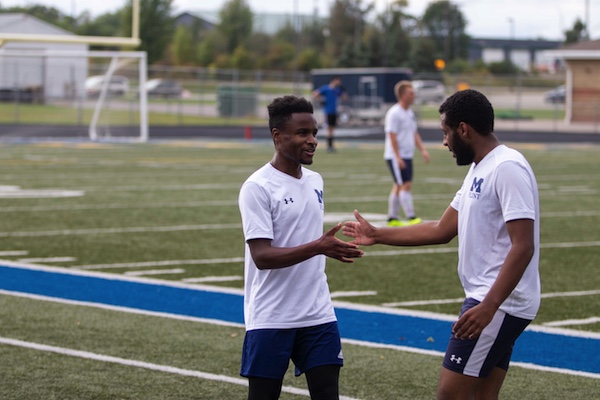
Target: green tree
x=107 y=24
x=209 y=48
x=157 y=26
x=576 y=33
x=347 y=22
x=235 y=24
x=183 y=48
x=445 y=24
x=394 y=28
x=423 y=55
x=308 y=59
x=242 y=58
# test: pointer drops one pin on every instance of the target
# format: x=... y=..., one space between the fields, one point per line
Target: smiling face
x=460 y=149
x=295 y=145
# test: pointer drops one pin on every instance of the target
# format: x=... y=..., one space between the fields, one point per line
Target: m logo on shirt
x=475 y=191
x=320 y=197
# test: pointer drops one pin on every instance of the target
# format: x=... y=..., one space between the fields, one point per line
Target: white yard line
x=150 y=272
x=214 y=279
x=48 y=259
x=162 y=263
x=67 y=232
x=142 y=364
x=9 y=253
x=460 y=300
x=335 y=295
x=567 y=322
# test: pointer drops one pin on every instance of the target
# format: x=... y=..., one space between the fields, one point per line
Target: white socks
x=406 y=200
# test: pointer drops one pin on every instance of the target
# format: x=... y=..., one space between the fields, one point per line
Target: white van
x=118 y=86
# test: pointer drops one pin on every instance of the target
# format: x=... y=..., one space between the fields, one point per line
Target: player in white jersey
x=401 y=138
x=287 y=306
x=495 y=215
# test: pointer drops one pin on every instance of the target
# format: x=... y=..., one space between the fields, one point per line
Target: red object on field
x=248 y=132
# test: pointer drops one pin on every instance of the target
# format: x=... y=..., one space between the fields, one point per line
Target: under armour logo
x=455 y=359
x=287 y=201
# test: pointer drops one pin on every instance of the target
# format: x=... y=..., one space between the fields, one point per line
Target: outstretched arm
x=434 y=232
x=268 y=257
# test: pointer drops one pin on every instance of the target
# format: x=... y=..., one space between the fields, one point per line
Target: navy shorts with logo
x=493 y=348
x=401 y=175
x=267 y=352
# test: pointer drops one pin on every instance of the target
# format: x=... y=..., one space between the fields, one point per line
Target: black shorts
x=332 y=120
x=492 y=349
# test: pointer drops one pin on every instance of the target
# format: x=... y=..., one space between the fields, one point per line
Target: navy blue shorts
x=401 y=175
x=493 y=348
x=267 y=352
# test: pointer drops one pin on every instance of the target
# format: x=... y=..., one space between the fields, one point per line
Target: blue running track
x=544 y=349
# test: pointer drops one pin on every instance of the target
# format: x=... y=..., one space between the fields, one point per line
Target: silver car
x=427 y=91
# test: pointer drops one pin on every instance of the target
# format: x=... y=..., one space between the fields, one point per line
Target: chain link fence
x=191 y=96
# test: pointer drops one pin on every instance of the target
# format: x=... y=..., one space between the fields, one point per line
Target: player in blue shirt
x=328 y=96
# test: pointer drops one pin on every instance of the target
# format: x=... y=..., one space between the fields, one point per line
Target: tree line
x=353 y=35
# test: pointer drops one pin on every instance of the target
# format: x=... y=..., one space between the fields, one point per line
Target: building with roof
x=582 y=84
x=31 y=64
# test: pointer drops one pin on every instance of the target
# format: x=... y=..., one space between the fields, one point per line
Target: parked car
x=429 y=91
x=163 y=88
x=118 y=85
x=556 y=95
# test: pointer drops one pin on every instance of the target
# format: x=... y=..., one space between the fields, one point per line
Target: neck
x=486 y=145
x=290 y=168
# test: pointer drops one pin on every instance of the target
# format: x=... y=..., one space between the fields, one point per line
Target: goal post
x=119 y=60
x=107 y=83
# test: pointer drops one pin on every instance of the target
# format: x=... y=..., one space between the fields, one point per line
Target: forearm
x=268 y=257
x=426 y=233
x=510 y=274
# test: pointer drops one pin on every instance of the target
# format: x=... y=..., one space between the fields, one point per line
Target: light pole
x=511 y=21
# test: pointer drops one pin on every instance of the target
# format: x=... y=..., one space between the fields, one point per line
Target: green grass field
x=173 y=202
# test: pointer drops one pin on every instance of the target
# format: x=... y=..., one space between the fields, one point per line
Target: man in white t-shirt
x=401 y=137
x=496 y=217
x=287 y=306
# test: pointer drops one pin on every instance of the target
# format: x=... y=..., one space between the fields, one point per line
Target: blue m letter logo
x=319 y=195
x=476 y=186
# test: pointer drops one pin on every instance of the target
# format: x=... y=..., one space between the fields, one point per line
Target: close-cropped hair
x=471 y=107
x=282 y=108
x=400 y=87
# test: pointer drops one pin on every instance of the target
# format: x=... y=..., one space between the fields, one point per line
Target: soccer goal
x=40 y=64
x=104 y=88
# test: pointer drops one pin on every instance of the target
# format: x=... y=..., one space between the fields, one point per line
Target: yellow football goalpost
x=118 y=59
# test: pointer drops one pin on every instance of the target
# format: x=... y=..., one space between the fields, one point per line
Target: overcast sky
x=525 y=19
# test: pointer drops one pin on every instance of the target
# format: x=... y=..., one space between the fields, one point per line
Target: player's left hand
x=473 y=322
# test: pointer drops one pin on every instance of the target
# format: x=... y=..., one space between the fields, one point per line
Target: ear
x=275 y=135
x=464 y=130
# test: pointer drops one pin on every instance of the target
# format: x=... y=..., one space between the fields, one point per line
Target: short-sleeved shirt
x=500 y=188
x=402 y=124
x=330 y=96
x=289 y=211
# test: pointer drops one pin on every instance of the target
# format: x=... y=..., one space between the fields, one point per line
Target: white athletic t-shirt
x=501 y=188
x=289 y=211
x=403 y=124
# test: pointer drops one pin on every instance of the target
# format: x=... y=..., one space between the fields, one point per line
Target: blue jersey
x=331 y=96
